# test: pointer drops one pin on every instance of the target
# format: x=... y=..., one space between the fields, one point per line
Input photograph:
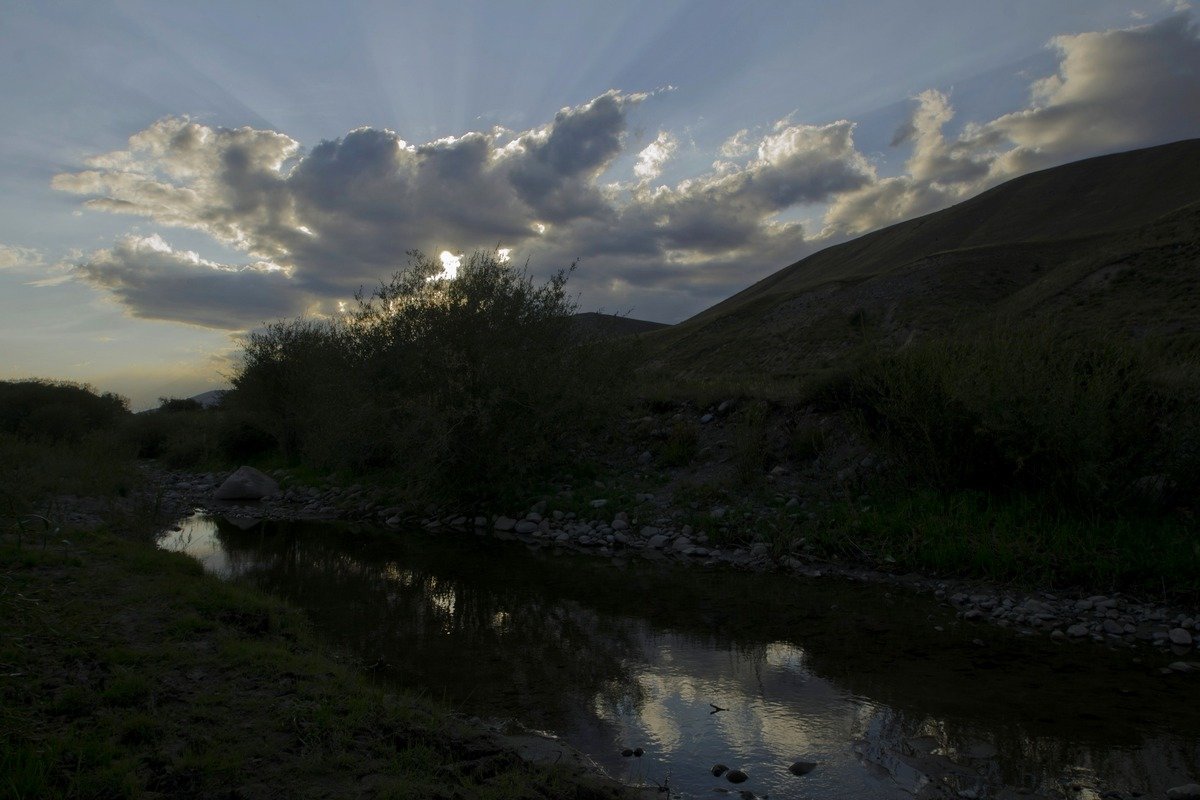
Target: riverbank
x=610 y=521
x=125 y=671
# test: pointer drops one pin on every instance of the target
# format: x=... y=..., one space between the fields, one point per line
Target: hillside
x=613 y=324
x=1110 y=242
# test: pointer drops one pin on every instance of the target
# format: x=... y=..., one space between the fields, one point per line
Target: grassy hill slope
x=1108 y=243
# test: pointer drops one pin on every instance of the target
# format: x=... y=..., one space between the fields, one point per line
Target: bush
x=1026 y=409
x=466 y=386
x=183 y=438
x=57 y=411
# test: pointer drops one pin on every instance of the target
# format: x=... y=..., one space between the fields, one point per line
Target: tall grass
x=1031 y=410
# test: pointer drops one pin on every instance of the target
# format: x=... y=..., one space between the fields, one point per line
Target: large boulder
x=247 y=483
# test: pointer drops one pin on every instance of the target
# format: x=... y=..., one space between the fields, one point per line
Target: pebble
x=1180 y=636
x=736 y=776
x=505 y=523
x=719 y=769
x=802 y=767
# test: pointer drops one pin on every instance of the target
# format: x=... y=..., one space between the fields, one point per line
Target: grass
x=1017 y=539
x=125 y=670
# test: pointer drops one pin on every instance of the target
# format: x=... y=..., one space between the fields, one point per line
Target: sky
x=173 y=175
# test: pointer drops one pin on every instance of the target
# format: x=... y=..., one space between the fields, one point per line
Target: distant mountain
x=1110 y=243
x=613 y=324
x=210 y=398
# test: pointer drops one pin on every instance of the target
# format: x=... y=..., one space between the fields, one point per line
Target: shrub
x=467 y=386
x=1023 y=409
x=57 y=411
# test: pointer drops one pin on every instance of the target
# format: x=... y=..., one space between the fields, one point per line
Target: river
x=886 y=692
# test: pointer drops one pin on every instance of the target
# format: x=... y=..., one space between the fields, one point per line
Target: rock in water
x=802 y=767
x=736 y=776
x=247 y=483
x=719 y=769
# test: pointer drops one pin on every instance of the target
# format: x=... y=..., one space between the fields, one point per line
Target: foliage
x=1015 y=538
x=1028 y=409
x=195 y=438
x=465 y=386
x=57 y=411
x=58 y=438
x=173 y=405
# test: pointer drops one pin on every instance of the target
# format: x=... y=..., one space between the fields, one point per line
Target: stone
x=650 y=530
x=505 y=523
x=1077 y=631
x=620 y=525
x=802 y=767
x=658 y=541
x=707 y=418
x=599 y=503
x=247 y=483
x=646 y=457
x=525 y=526
x=1190 y=791
x=1111 y=626
x=719 y=769
x=1180 y=637
x=736 y=776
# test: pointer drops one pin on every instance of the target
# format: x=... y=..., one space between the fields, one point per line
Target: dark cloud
x=155 y=282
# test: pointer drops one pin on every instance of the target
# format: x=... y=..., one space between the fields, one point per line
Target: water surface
x=614 y=655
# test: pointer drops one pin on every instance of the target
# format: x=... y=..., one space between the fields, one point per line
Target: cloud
x=652 y=158
x=737 y=145
x=1113 y=90
x=342 y=214
x=156 y=282
x=20 y=258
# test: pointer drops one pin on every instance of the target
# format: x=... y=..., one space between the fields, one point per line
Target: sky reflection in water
x=841 y=674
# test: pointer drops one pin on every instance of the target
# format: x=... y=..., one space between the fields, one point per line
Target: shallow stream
x=886 y=692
